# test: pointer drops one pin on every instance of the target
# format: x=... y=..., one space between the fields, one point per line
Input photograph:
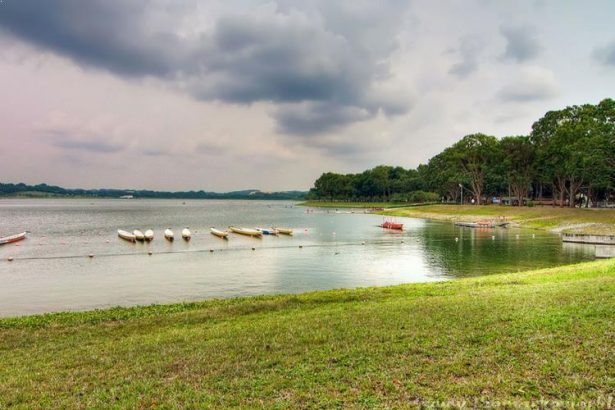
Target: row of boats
x=148 y=235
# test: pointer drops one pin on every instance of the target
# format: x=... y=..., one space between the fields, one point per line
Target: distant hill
x=48 y=191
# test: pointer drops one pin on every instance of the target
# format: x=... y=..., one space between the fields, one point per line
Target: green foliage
x=568 y=152
x=514 y=338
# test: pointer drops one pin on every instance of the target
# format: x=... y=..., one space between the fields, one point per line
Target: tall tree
x=474 y=154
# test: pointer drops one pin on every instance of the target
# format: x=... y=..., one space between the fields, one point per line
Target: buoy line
x=400 y=241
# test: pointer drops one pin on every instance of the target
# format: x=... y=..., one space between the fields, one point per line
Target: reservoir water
x=51 y=270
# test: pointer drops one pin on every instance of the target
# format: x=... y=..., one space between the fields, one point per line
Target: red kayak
x=392 y=225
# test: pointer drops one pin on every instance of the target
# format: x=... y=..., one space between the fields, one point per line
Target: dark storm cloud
x=606 y=54
x=314 y=118
x=521 y=43
x=318 y=54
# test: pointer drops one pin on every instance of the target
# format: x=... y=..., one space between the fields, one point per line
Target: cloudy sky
x=234 y=94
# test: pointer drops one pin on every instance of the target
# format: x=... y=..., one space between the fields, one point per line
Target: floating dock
x=589 y=239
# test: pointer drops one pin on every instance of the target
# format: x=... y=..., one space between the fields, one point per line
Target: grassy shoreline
x=577 y=220
x=572 y=220
x=526 y=336
x=351 y=204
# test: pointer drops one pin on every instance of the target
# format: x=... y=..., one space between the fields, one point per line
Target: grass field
x=345 y=204
x=599 y=221
x=514 y=338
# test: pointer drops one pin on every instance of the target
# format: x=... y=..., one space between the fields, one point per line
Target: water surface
x=51 y=270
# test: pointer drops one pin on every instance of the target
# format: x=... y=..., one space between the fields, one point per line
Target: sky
x=235 y=94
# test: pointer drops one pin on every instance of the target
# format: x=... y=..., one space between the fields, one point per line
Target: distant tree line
x=567 y=160
x=54 y=191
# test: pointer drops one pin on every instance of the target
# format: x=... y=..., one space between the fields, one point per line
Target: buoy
x=402 y=241
x=91 y=255
x=493 y=237
x=333 y=233
x=300 y=246
x=456 y=239
x=211 y=250
x=253 y=249
x=533 y=235
x=107 y=241
x=517 y=236
x=149 y=253
x=336 y=253
x=10 y=259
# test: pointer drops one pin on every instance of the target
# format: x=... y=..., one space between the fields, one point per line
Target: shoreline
x=517 y=336
x=557 y=220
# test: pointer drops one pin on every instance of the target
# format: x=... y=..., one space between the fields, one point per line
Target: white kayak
x=285 y=231
x=12 y=238
x=267 y=231
x=246 y=231
x=219 y=233
x=126 y=235
x=186 y=234
x=168 y=234
x=149 y=235
x=138 y=235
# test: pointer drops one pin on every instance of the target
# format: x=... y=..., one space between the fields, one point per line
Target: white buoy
x=253 y=249
x=211 y=250
x=91 y=255
x=149 y=253
x=10 y=259
x=363 y=243
x=493 y=237
x=456 y=239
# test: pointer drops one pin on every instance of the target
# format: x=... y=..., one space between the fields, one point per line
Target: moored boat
x=12 y=238
x=246 y=231
x=186 y=234
x=138 y=235
x=219 y=233
x=149 y=235
x=267 y=231
x=285 y=231
x=168 y=234
x=482 y=224
x=126 y=235
x=392 y=225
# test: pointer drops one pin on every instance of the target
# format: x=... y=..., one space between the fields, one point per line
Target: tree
x=518 y=163
x=474 y=154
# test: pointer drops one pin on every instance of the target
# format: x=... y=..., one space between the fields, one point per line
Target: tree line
x=39 y=190
x=568 y=159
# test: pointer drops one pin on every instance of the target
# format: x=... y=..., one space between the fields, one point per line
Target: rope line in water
x=208 y=250
x=400 y=240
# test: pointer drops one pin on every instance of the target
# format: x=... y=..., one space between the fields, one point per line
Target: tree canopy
x=569 y=157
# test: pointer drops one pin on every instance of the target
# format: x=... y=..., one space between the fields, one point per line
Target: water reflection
x=338 y=250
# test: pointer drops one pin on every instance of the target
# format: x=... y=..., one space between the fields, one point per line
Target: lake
x=51 y=270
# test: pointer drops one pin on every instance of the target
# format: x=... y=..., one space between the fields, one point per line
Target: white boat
x=285 y=231
x=267 y=231
x=12 y=238
x=168 y=234
x=126 y=235
x=186 y=234
x=138 y=235
x=219 y=233
x=246 y=231
x=149 y=235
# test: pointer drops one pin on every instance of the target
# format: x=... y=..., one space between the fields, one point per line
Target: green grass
x=349 y=204
x=546 y=334
x=581 y=220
